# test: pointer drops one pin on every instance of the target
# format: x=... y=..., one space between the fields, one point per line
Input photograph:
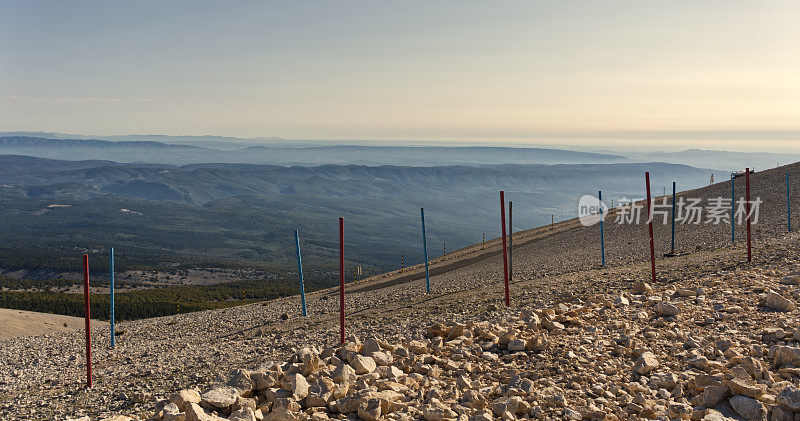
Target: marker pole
x=510 y=243
x=672 y=246
x=425 y=251
x=602 y=238
x=650 y=227
x=112 y=298
x=505 y=249
x=747 y=204
x=87 y=315
x=341 y=280
x=733 y=205
x=788 y=205
x=300 y=273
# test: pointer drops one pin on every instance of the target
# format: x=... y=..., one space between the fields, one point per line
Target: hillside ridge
x=625 y=346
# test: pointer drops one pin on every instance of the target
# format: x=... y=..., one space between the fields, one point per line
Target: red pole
x=88 y=327
x=341 y=280
x=650 y=226
x=505 y=250
x=747 y=205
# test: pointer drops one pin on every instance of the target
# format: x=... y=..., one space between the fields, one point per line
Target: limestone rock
x=382 y=358
x=241 y=380
x=665 y=309
x=171 y=412
x=370 y=410
x=646 y=363
x=778 y=302
x=185 y=397
x=745 y=388
x=220 y=397
x=244 y=414
x=283 y=414
x=516 y=345
x=371 y=346
x=344 y=373
x=362 y=364
x=790 y=398
x=791 y=279
x=779 y=413
x=297 y=384
x=749 y=408
x=265 y=379
x=783 y=355
x=432 y=413
x=643 y=288
x=320 y=393
x=679 y=410
x=712 y=395
x=195 y=412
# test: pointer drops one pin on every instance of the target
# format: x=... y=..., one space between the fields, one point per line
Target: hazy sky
x=399 y=69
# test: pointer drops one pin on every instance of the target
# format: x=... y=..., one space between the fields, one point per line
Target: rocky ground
x=713 y=338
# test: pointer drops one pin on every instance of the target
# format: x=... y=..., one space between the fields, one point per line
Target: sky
x=491 y=71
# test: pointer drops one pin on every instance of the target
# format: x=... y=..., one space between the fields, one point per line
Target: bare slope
x=568 y=246
x=156 y=357
x=15 y=323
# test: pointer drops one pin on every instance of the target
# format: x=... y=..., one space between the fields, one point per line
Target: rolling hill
x=182 y=154
x=243 y=214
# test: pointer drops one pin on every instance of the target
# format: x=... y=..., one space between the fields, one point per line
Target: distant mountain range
x=192 y=204
x=158 y=152
x=199 y=184
x=720 y=159
x=219 y=142
x=183 y=150
x=244 y=214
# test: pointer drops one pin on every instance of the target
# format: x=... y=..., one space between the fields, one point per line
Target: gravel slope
x=42 y=377
x=15 y=323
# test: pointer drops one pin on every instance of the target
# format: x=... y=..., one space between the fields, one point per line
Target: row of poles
x=733 y=201
x=508 y=239
x=507 y=243
x=506 y=262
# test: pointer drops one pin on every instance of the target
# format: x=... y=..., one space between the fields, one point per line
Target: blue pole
x=425 y=251
x=733 y=205
x=602 y=239
x=112 y=297
x=788 y=206
x=300 y=272
x=672 y=248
